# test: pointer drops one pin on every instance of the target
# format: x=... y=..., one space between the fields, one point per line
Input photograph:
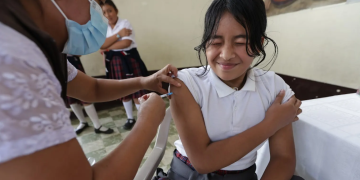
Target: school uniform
x=33 y=78
x=227 y=112
x=125 y=63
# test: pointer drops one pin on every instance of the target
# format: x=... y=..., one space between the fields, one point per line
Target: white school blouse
x=228 y=112
x=120 y=24
x=33 y=115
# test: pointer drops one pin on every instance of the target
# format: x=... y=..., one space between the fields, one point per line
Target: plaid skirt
x=75 y=61
x=116 y=70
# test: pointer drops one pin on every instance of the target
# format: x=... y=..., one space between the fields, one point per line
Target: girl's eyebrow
x=240 y=36
x=217 y=37
x=235 y=37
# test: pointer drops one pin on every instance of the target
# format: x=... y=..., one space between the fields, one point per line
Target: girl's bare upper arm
x=189 y=121
x=282 y=142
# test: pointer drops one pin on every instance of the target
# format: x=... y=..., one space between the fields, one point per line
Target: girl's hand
x=283 y=114
x=125 y=32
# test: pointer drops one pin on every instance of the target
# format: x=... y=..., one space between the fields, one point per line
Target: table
x=327 y=140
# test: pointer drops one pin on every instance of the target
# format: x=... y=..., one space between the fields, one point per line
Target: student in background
x=122 y=59
x=77 y=105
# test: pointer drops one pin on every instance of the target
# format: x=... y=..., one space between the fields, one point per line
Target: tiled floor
x=98 y=146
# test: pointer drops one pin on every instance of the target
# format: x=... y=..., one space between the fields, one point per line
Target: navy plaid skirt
x=116 y=69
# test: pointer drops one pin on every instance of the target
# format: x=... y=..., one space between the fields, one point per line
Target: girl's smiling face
x=226 y=51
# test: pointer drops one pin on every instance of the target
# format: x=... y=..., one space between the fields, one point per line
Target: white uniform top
x=228 y=112
x=33 y=115
x=120 y=24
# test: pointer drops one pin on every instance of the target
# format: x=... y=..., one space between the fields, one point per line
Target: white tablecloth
x=327 y=140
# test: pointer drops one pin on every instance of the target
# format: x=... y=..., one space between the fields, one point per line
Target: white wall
x=93 y=64
x=321 y=44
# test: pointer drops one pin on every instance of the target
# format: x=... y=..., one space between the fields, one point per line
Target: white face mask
x=87 y=38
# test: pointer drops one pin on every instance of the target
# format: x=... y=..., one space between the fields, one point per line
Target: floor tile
x=98 y=146
x=152 y=144
x=97 y=155
x=165 y=163
x=93 y=146
x=119 y=117
x=148 y=152
x=116 y=112
x=173 y=138
x=110 y=148
x=116 y=139
x=109 y=125
x=104 y=115
x=88 y=138
x=74 y=122
x=120 y=123
x=143 y=161
x=106 y=120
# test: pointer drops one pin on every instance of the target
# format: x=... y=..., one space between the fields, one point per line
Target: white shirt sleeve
x=33 y=116
x=186 y=77
x=280 y=84
x=127 y=25
x=72 y=71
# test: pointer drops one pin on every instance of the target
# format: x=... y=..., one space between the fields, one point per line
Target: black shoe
x=78 y=131
x=108 y=131
x=129 y=124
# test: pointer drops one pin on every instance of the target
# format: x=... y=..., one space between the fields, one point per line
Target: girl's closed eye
x=240 y=43
x=216 y=43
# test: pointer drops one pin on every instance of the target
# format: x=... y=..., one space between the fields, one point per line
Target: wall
x=321 y=44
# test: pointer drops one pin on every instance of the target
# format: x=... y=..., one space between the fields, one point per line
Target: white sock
x=129 y=109
x=77 y=109
x=137 y=106
x=91 y=111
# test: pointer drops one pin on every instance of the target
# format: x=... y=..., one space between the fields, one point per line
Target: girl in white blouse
x=231 y=106
x=123 y=60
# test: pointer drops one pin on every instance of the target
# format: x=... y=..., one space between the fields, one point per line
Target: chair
x=146 y=172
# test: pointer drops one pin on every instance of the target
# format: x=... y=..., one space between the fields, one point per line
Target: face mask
x=87 y=38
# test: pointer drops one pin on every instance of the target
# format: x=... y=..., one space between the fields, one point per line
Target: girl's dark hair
x=251 y=14
x=110 y=3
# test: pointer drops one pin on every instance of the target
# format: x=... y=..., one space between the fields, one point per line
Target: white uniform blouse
x=228 y=112
x=120 y=24
x=33 y=115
